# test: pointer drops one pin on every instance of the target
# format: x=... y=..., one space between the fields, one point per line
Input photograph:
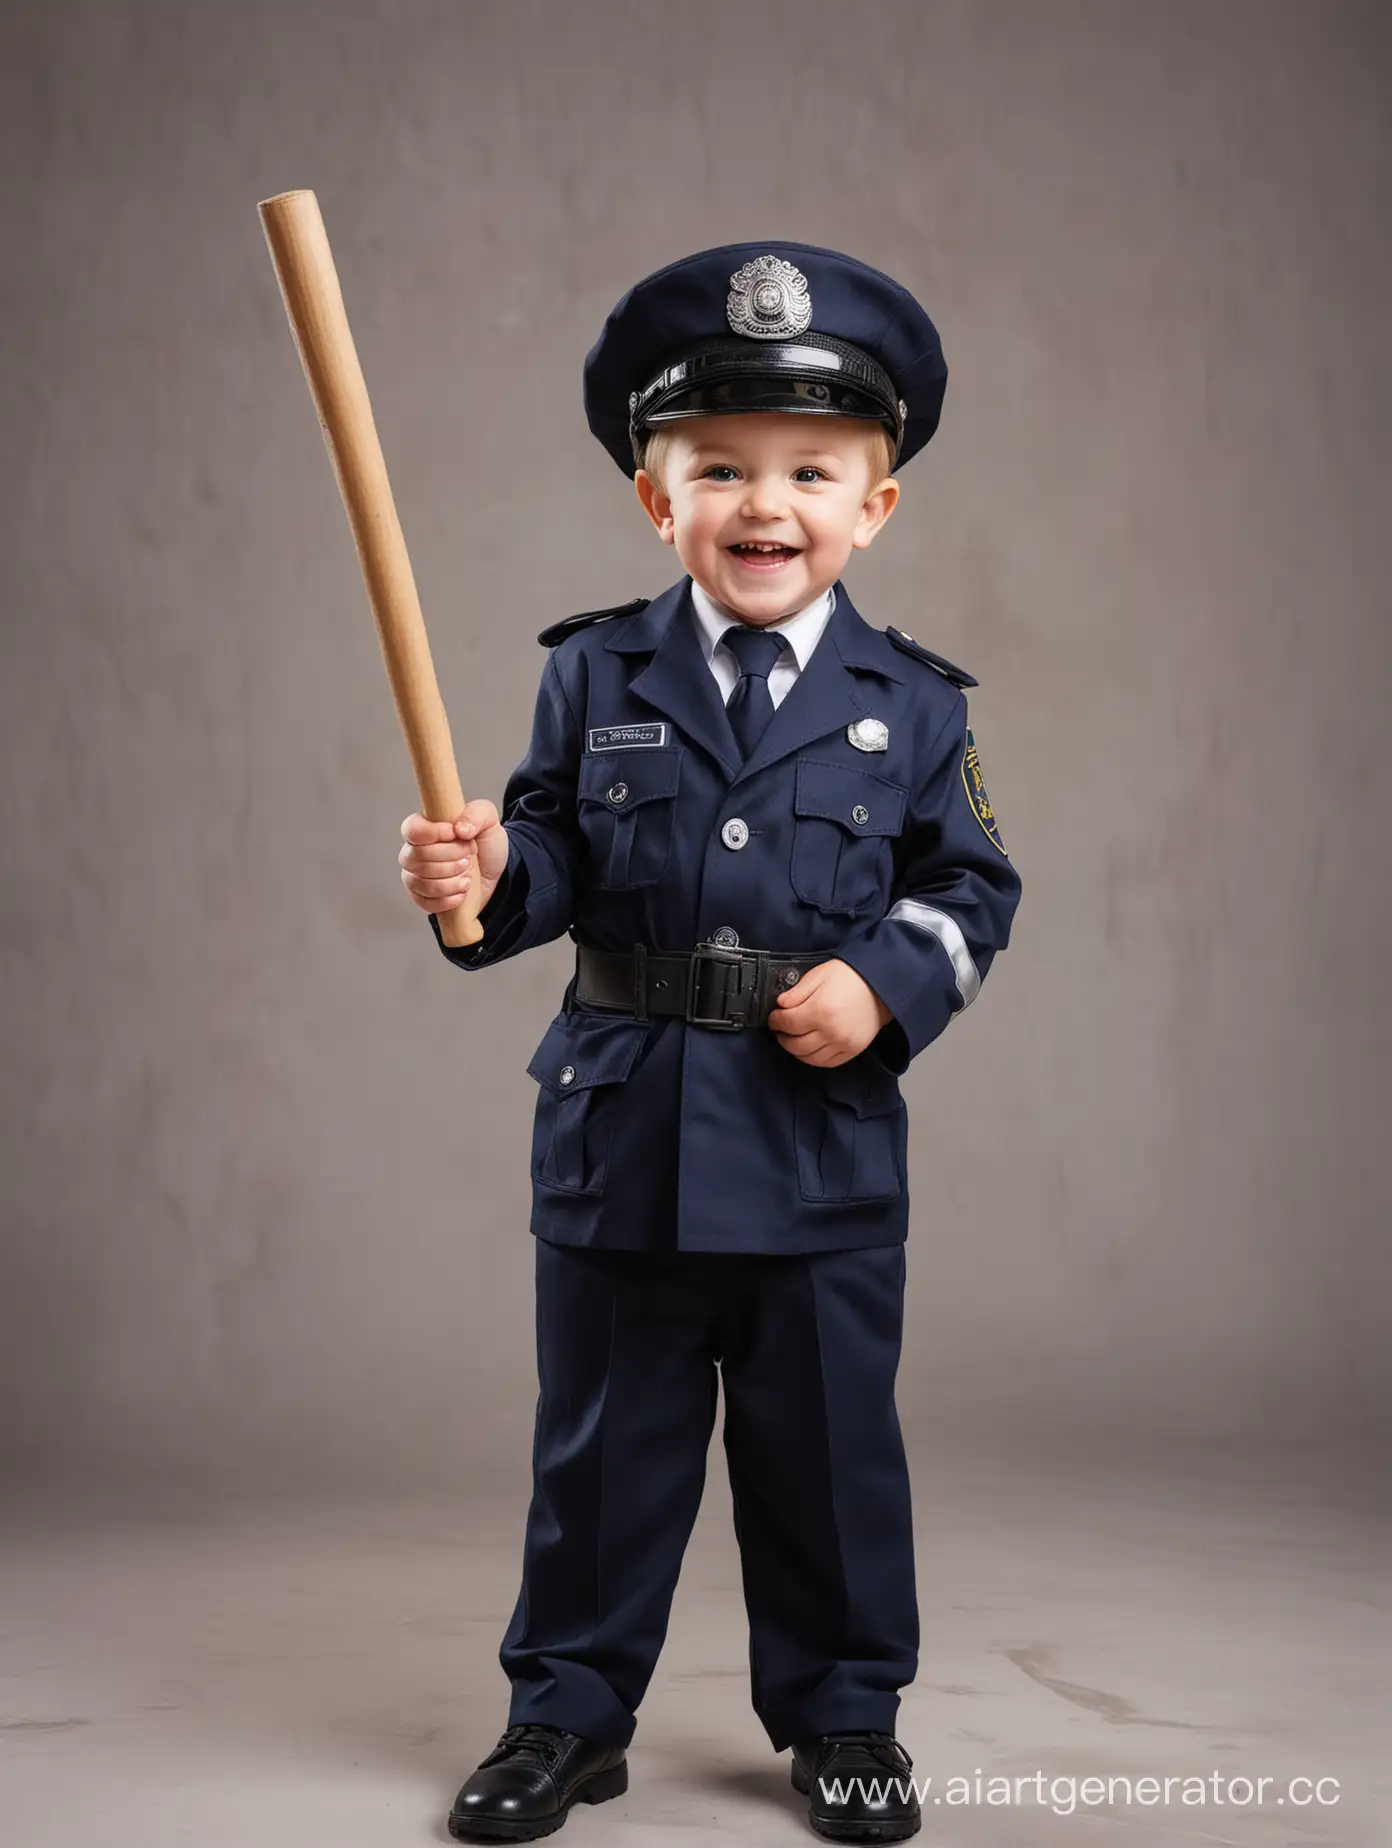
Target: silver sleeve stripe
x=949 y=934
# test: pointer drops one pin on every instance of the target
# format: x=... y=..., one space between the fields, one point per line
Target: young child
x=764 y=825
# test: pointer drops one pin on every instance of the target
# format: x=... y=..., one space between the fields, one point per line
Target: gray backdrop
x=265 y=1152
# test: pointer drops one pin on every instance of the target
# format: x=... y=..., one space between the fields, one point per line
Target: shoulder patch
x=560 y=630
x=975 y=785
x=906 y=643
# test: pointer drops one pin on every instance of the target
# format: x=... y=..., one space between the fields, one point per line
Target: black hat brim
x=813 y=375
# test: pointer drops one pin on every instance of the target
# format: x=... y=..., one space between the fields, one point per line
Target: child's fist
x=439 y=858
x=829 y=1016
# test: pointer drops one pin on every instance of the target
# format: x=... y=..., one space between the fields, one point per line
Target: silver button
x=735 y=832
x=726 y=937
x=618 y=792
x=788 y=978
x=860 y=814
x=567 y=1074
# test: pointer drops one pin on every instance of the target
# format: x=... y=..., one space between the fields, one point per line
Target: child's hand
x=438 y=860
x=829 y=1016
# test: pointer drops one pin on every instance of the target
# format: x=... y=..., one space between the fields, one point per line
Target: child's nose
x=765 y=498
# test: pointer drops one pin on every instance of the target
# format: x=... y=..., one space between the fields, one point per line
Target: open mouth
x=759 y=555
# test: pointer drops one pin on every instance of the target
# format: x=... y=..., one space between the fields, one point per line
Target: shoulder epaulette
x=906 y=643
x=569 y=624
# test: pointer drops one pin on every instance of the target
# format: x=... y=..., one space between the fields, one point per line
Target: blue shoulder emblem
x=907 y=645
x=560 y=630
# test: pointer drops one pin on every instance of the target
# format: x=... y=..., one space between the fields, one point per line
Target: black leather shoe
x=860 y=1787
x=527 y=1783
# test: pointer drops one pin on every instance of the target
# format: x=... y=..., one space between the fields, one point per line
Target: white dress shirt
x=803 y=631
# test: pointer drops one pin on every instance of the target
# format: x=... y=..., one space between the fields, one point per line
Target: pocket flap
x=863 y=1085
x=841 y=792
x=621 y=780
x=592 y=1048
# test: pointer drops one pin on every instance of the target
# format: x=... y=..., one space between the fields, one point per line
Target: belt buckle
x=714 y=953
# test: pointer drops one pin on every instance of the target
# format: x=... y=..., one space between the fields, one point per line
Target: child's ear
x=875 y=512
x=656 y=504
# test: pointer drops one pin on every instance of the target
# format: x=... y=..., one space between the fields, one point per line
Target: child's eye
x=724 y=470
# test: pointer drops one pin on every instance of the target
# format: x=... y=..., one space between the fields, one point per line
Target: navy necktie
x=750 y=706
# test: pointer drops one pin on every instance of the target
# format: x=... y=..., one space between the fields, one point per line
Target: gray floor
x=269 y=1671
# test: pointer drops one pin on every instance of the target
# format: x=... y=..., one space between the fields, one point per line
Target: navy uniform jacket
x=669 y=1136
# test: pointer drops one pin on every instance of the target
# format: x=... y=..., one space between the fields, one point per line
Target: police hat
x=765 y=327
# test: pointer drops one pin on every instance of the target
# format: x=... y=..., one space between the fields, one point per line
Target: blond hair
x=657 y=442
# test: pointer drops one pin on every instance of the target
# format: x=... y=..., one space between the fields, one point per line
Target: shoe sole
x=853 y=1831
x=598 y=1788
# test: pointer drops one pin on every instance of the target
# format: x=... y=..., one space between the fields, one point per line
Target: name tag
x=627 y=737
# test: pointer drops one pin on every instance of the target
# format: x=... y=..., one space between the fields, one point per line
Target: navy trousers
x=628 y=1344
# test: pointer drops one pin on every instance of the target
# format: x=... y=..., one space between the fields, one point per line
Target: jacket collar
x=825 y=697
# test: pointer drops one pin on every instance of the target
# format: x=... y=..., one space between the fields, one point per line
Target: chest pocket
x=844 y=819
x=628 y=811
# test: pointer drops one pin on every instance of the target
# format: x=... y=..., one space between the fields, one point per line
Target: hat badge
x=768 y=300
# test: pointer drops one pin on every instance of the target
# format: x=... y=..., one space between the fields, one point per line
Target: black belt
x=710 y=986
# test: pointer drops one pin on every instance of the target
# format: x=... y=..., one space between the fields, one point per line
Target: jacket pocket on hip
x=852 y=1132
x=581 y=1065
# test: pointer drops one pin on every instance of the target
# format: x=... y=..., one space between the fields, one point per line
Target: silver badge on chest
x=768 y=300
x=868 y=734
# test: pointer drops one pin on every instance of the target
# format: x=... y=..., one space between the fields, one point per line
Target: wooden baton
x=314 y=302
